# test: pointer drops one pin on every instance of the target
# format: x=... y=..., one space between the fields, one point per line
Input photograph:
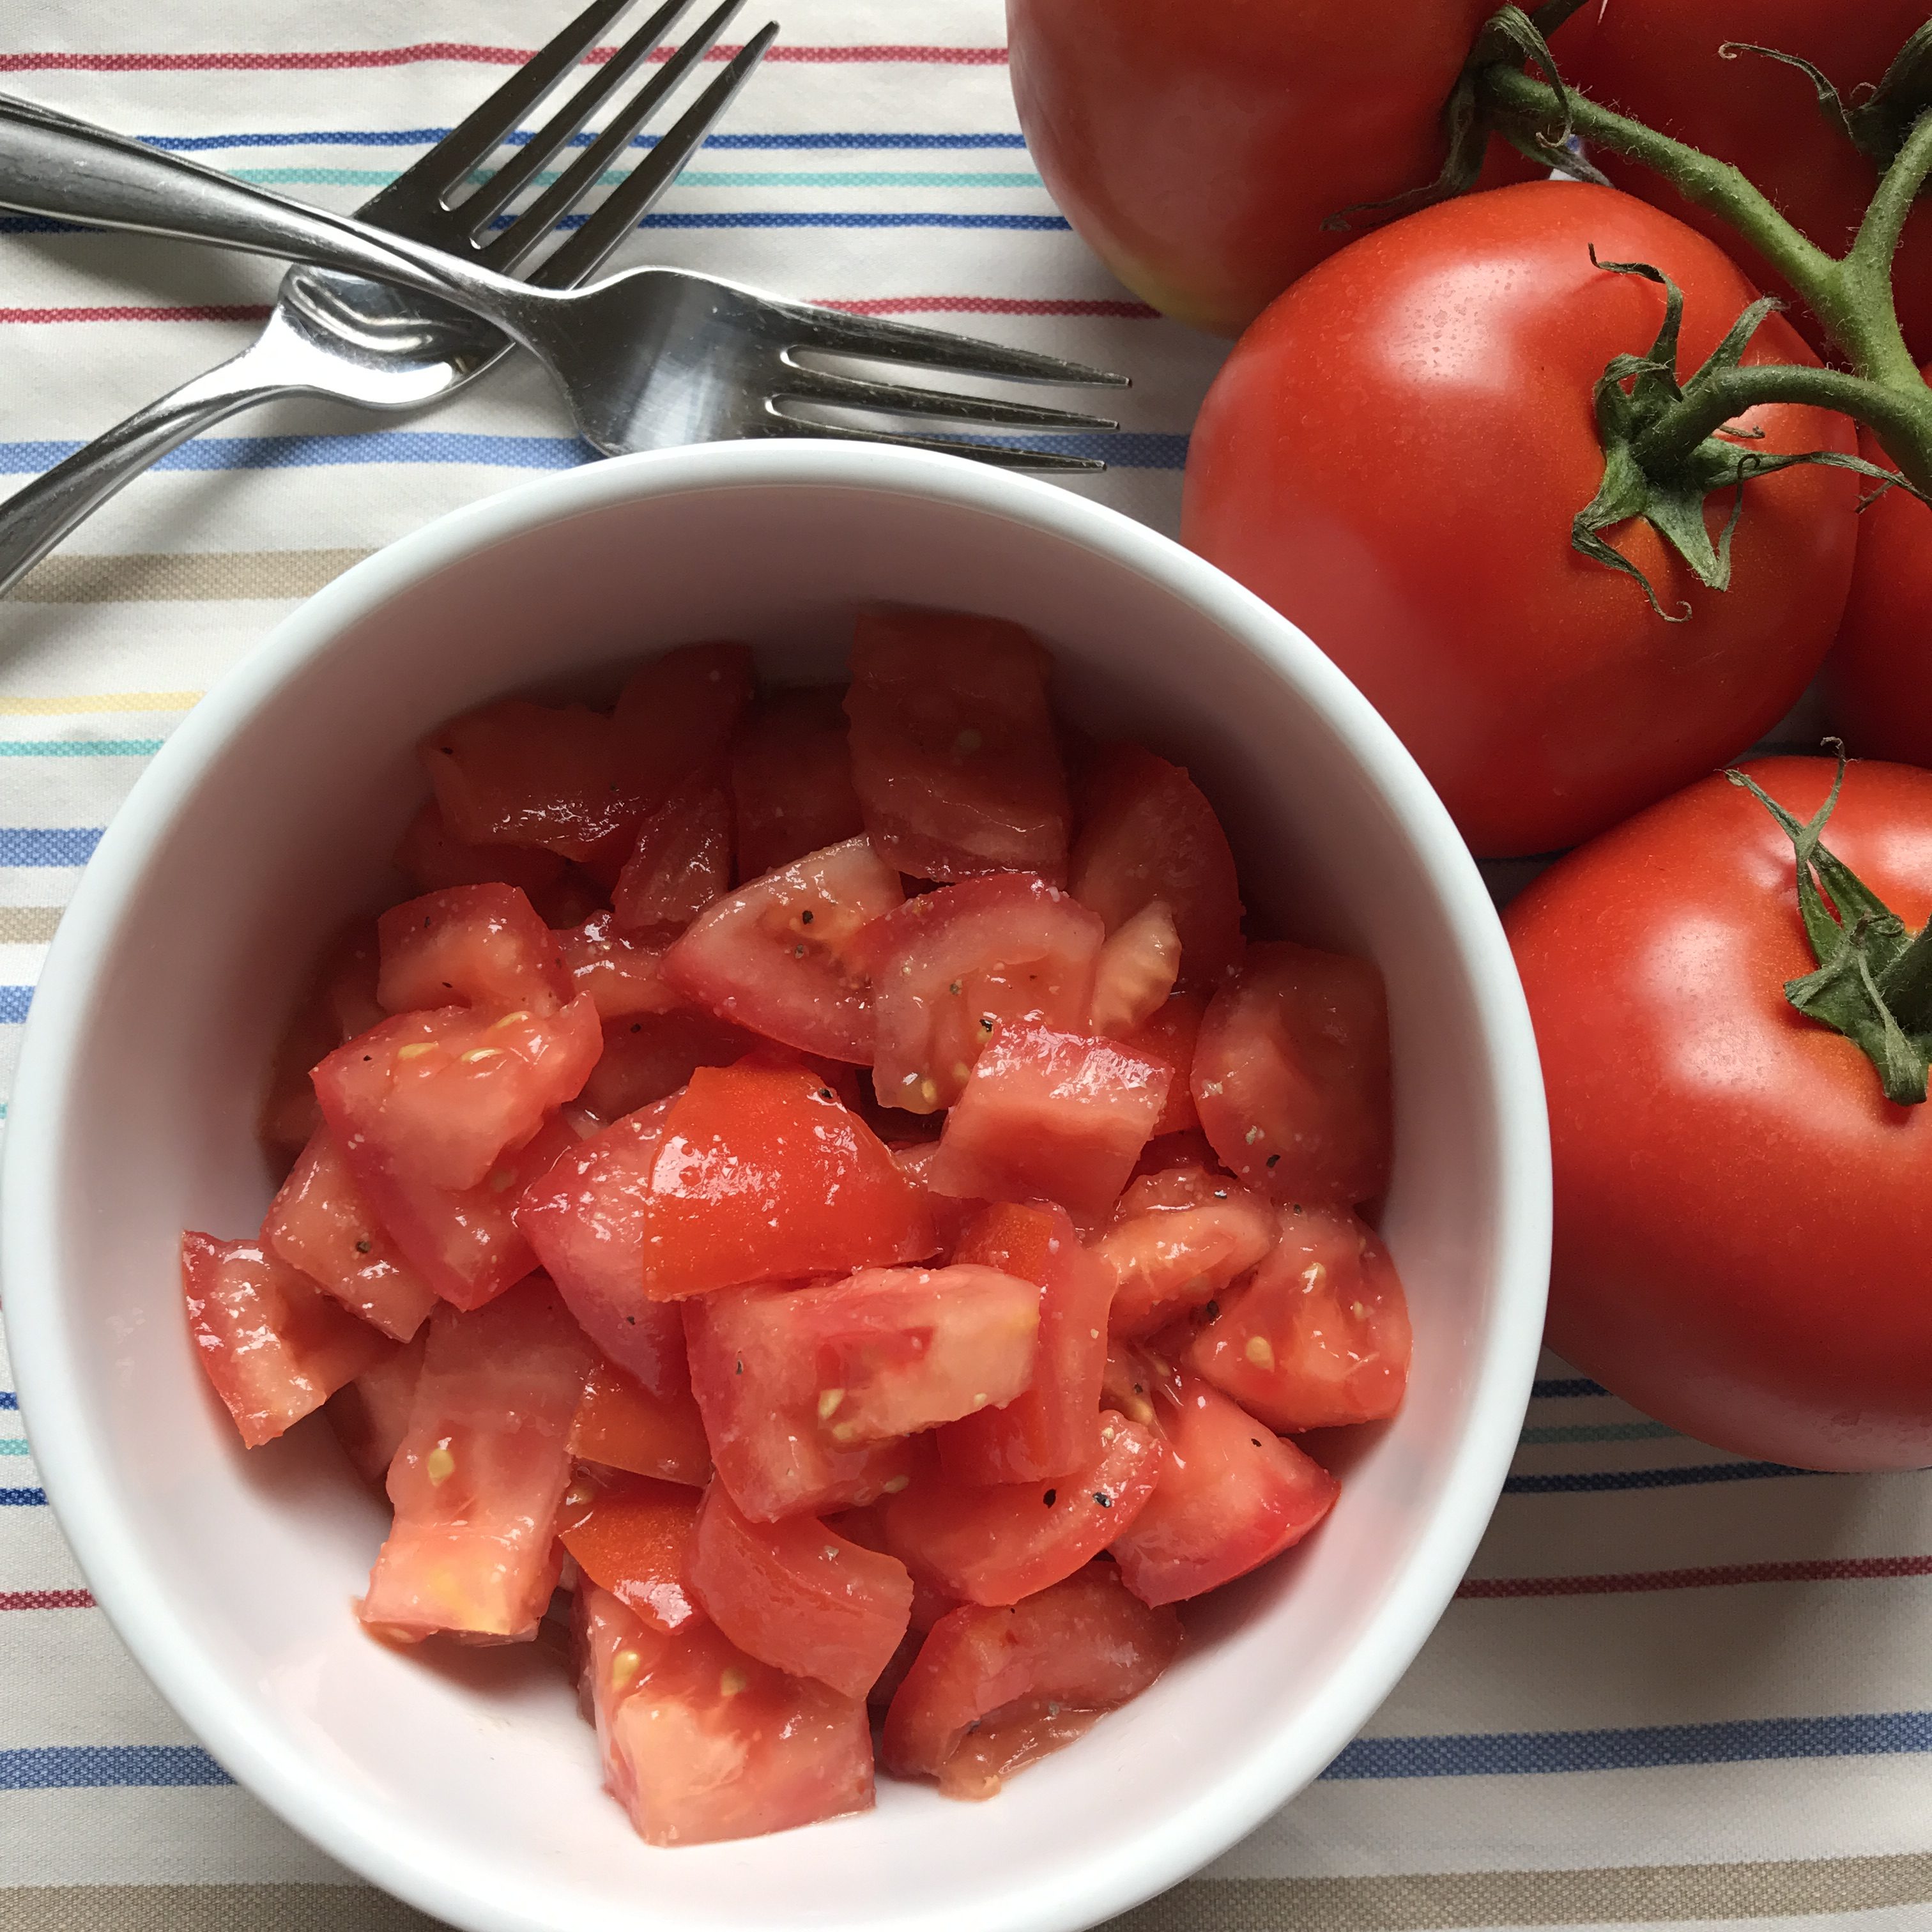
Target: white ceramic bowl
x=465 y=1781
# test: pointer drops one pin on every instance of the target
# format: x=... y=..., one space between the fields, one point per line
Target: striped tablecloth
x=1675 y=1688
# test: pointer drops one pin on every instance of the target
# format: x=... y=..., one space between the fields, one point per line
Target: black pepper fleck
x=804 y=918
x=1256 y=1440
x=637 y=1026
x=1213 y=1309
x=362 y=1247
x=1274 y=1160
x=1048 y=1499
x=1101 y=1497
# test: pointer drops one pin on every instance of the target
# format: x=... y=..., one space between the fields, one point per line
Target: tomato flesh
x=681 y=862
x=622 y=974
x=1168 y=1035
x=1053 y=1425
x=1291 y=1076
x=954 y=755
x=370 y=1413
x=648 y=1056
x=432 y=857
x=481 y=946
x=624 y=1425
x=1136 y=971
x=778 y=955
x=479 y=1479
x=676 y=715
x=1050 y=1115
x=272 y=1344
x=791 y=780
x=798 y=1596
x=1178 y=1239
x=1231 y=1494
x=1319 y=1337
x=632 y=1537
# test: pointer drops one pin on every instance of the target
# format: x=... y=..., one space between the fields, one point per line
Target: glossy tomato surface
x=621 y=1424
x=1199 y=150
x=633 y=1537
x=1393 y=457
x=1178 y=1237
x=1743 y=1234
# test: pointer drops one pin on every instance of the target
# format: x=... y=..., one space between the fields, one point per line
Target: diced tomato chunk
x=997 y=1545
x=1168 y=1035
x=798 y=1596
x=648 y=1056
x=702 y=1742
x=951 y=968
x=272 y=1343
x=479 y=1481
x=621 y=1424
x=320 y=1223
x=1178 y=1240
x=1084 y=1644
x=432 y=857
x=370 y=1415
x=632 y=1537
x=1319 y=1337
x=339 y=1003
x=569 y=902
x=476 y=946
x=954 y=756
x=950 y=1216
x=1052 y=1116
x=1231 y=1494
x=676 y=716
x=765 y=1175
x=791 y=779
x=1136 y=972
x=681 y=862
x=779 y=955
x=1291 y=1075
x=1052 y=1425
x=623 y=975
x=1188 y=1148
x=1149 y=835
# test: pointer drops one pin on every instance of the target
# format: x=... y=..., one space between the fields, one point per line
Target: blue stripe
x=41 y=224
x=423 y=137
x=1568 y=1385
x=48 y=845
x=23 y=1498
x=14 y=1001
x=72 y=1767
x=8 y=1399
x=1648 y=1479
x=1746 y=1741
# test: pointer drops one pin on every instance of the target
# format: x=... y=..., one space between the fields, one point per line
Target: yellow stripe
x=182 y=576
x=96 y=701
x=28 y=926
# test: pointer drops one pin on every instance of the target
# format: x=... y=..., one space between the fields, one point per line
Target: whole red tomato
x=1198 y=148
x=1660 y=61
x=1878 y=679
x=1392 y=457
x=1744 y=1224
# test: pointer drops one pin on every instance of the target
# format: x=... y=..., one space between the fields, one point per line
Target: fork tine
x=529 y=230
x=503 y=187
x=999 y=455
x=580 y=256
x=833 y=332
x=853 y=392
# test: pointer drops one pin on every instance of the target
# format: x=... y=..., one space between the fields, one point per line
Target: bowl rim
x=81 y=1485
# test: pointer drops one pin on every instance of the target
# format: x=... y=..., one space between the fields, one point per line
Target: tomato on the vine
x=1393 y=456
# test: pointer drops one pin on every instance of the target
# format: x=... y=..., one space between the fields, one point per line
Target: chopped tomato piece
x=997 y=1545
x=950 y=968
x=1189 y=1148
x=480 y=1477
x=1084 y=1644
x=621 y=1424
x=798 y=1596
x=702 y=1742
x=477 y=946
x=791 y=779
x=1148 y=835
x=1052 y=1426
x=1143 y=1386
x=1319 y=1337
x=623 y=975
x=1178 y=1240
x=648 y=1056
x=779 y=955
x=677 y=715
x=584 y=1219
x=1052 y=1116
x=339 y=1003
x=272 y=1343
x=954 y=755
x=573 y=898
x=765 y=1175
x=950 y=1216
x=320 y=1223
x=1168 y=1035
x=370 y=1415
x=1291 y=1075
x=432 y=857
x=439 y=1097
x=632 y=1537
x=1231 y=1494
x=1136 y=973
x=681 y=862
x=1008 y=1741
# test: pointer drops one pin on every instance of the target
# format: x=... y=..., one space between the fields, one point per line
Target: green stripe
x=12 y=1445
x=79 y=747
x=1596 y=1432
x=691 y=178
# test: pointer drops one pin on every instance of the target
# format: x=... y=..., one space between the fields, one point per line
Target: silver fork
x=648 y=359
x=350 y=339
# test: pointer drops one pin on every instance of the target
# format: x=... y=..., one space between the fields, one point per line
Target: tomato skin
x=370 y=1413
x=633 y=1537
x=798 y=1596
x=1199 y=152
x=1177 y=1239
x=1537 y=689
x=1085 y=1642
x=791 y=779
x=648 y=1056
x=681 y=862
x=623 y=1425
x=1319 y=1336
x=481 y=945
x=1658 y=60
x=433 y=857
x=1718 y=1156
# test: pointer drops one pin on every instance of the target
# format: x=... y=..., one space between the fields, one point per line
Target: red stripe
x=1835 y=1570
x=986 y=305
x=304 y=61
x=233 y=312
x=45 y=1599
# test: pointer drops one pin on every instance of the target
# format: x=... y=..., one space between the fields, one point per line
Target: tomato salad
x=819 y=1196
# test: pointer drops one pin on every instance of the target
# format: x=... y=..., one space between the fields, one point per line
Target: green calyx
x=1874 y=981
x=1875 y=120
x=1665 y=478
